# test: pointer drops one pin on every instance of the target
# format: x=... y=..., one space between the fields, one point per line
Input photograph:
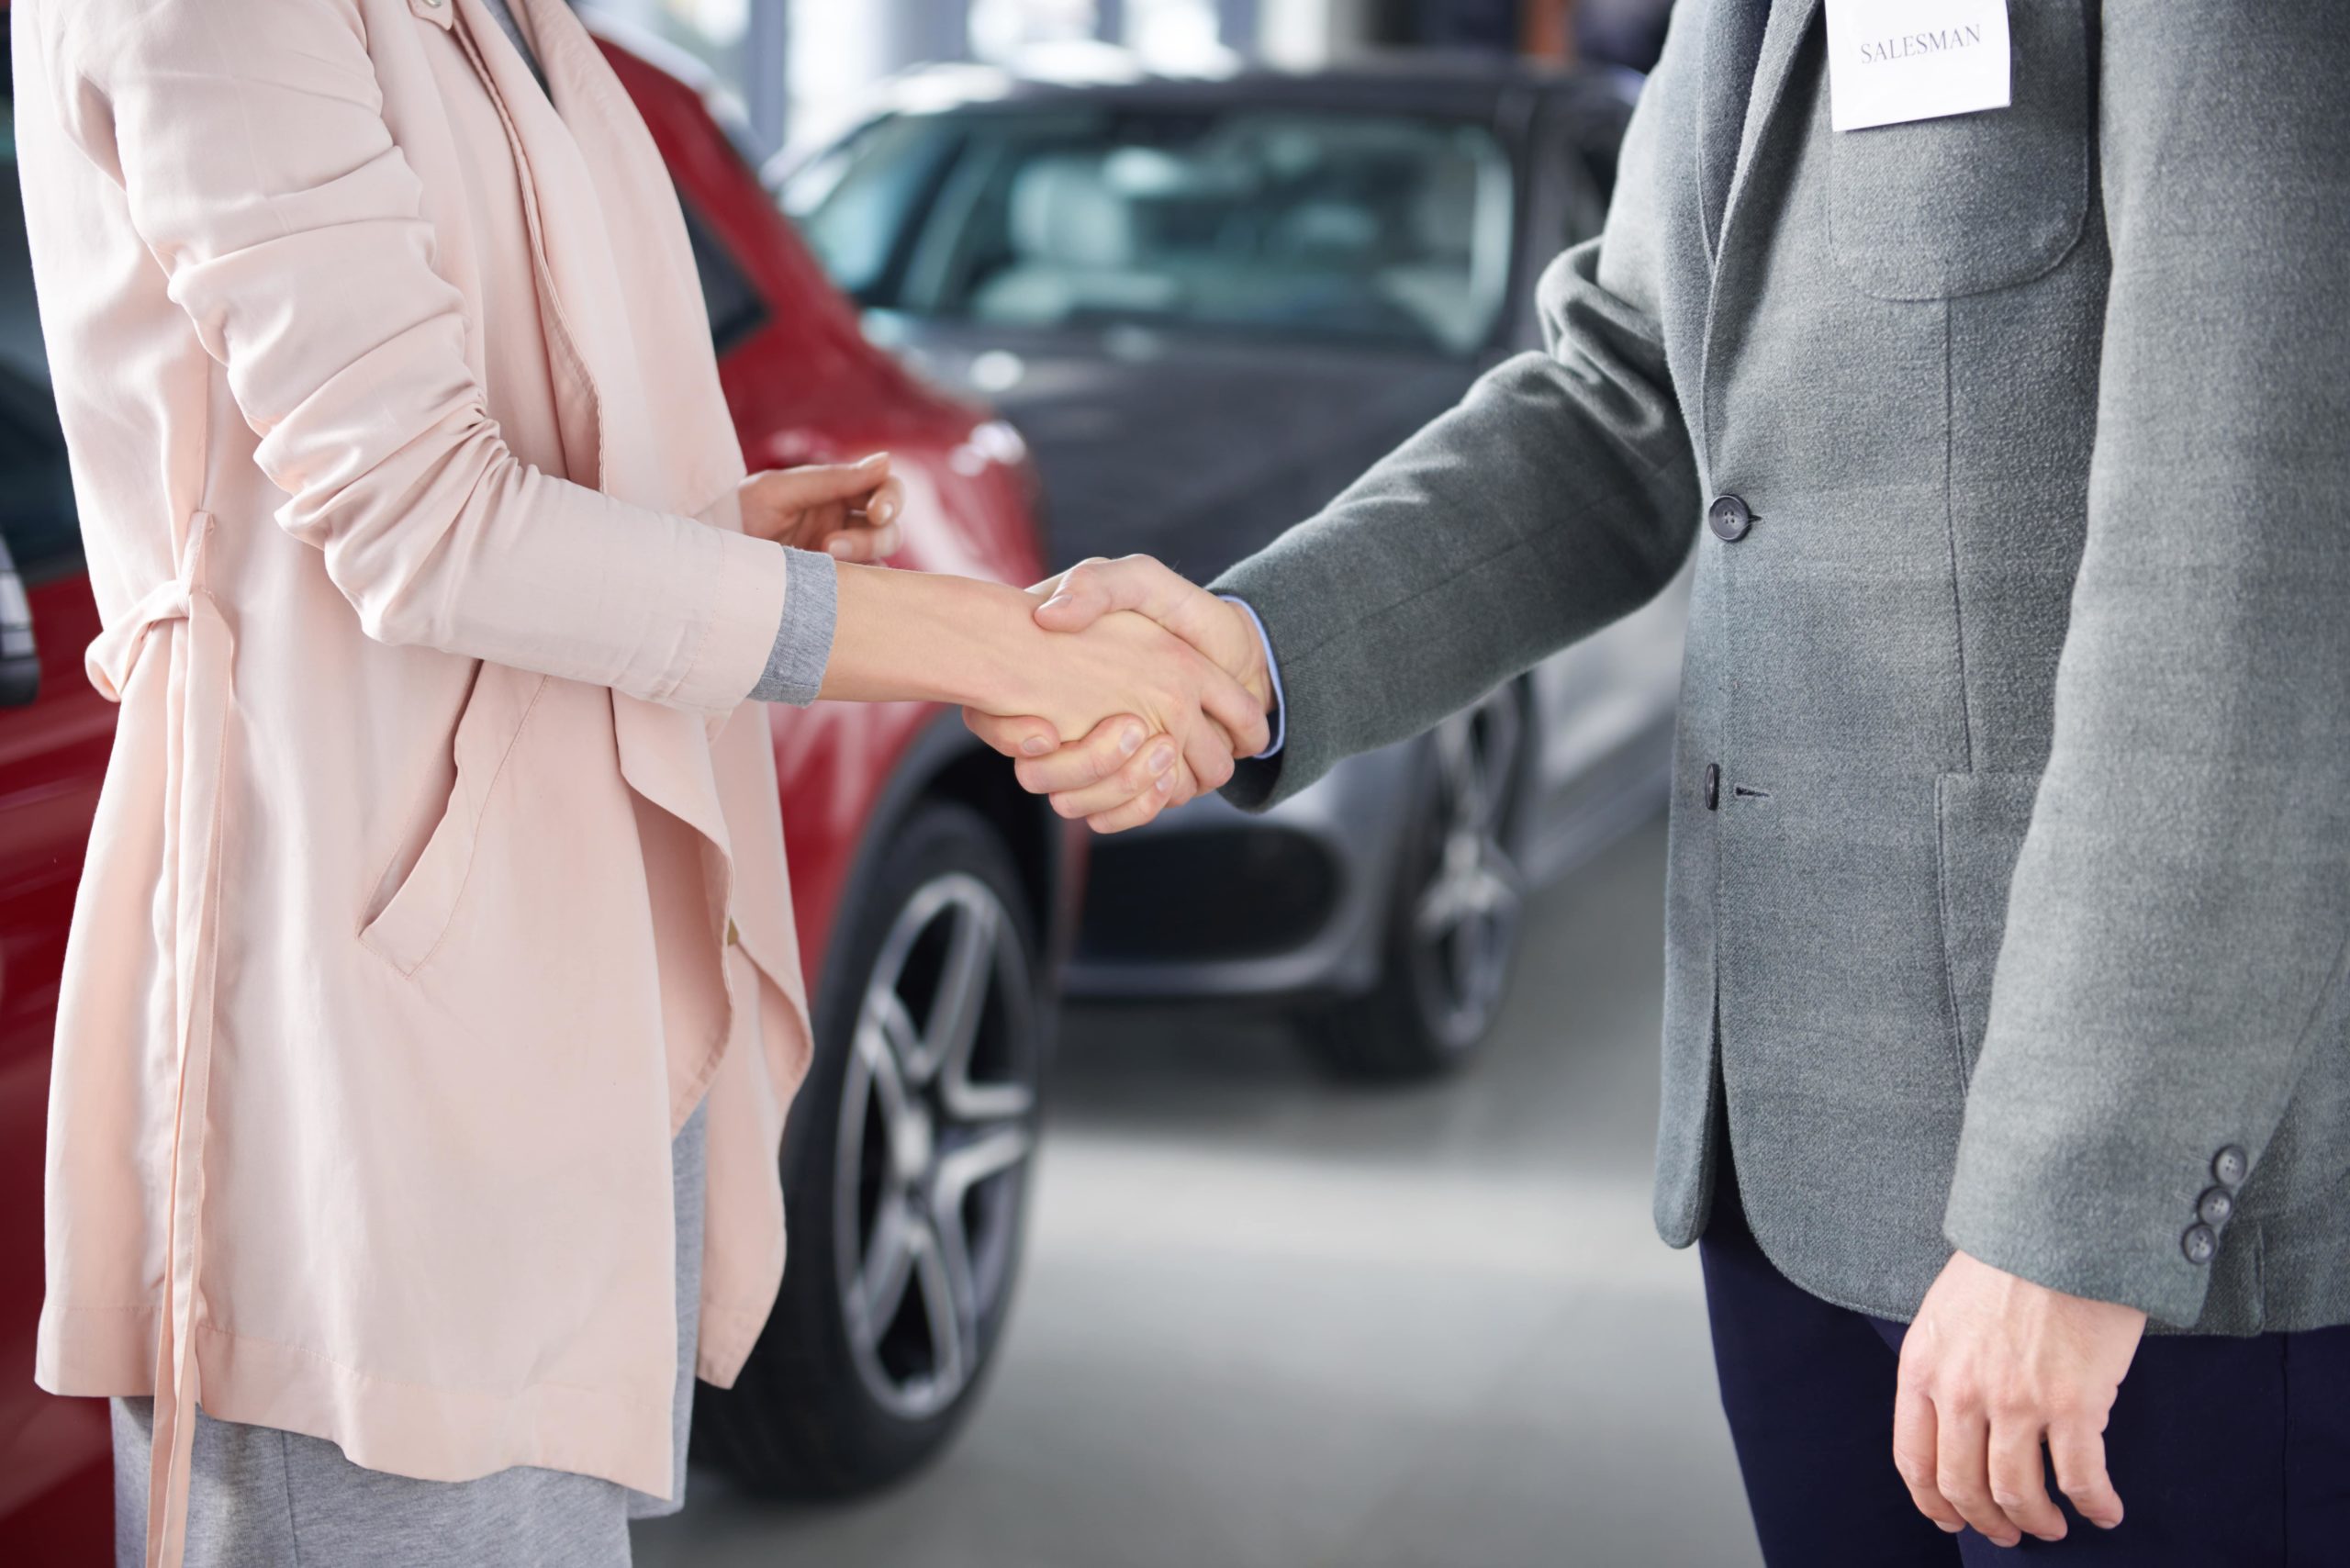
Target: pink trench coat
x=438 y=871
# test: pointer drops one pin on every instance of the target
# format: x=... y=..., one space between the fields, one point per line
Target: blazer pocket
x=407 y=927
x=1935 y=208
x=1981 y=819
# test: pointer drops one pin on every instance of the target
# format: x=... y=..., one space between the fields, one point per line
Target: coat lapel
x=1733 y=43
x=643 y=421
x=1783 y=38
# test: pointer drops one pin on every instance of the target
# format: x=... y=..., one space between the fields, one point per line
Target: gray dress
x=262 y=1498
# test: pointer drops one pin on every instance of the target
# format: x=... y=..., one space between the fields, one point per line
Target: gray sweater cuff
x=803 y=639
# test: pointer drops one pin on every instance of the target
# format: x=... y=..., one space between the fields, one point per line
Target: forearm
x=929 y=637
x=1560 y=495
x=2176 y=921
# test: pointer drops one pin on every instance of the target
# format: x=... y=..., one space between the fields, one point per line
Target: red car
x=933 y=897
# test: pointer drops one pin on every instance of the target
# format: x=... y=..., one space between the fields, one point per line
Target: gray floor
x=1272 y=1323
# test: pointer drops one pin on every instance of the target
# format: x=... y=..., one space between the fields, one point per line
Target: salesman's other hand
x=848 y=510
x=1119 y=776
x=1994 y=1366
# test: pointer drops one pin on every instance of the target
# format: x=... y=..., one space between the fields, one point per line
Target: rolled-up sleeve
x=803 y=638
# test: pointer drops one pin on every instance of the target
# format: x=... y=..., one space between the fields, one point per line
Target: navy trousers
x=2228 y=1453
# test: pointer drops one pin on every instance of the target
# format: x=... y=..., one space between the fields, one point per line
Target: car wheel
x=905 y=1174
x=1452 y=923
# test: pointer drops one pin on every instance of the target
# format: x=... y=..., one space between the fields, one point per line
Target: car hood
x=1199 y=451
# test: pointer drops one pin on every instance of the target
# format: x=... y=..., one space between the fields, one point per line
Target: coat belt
x=198 y=735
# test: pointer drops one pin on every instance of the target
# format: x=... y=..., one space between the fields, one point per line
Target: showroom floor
x=1268 y=1322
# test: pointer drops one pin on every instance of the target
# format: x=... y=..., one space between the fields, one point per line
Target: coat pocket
x=408 y=925
x=1935 y=208
x=1981 y=819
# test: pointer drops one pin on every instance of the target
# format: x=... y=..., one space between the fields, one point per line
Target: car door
x=1605 y=703
x=55 y=733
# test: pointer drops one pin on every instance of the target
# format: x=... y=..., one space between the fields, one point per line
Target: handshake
x=1180 y=675
x=1118 y=688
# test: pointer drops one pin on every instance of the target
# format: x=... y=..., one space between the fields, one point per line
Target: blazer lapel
x=1733 y=44
x=1783 y=39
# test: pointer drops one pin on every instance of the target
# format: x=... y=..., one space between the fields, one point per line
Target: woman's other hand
x=847 y=510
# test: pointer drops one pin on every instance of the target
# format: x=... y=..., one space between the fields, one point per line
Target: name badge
x=1890 y=61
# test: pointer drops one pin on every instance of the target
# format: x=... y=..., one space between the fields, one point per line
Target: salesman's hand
x=849 y=510
x=1120 y=776
x=1994 y=1366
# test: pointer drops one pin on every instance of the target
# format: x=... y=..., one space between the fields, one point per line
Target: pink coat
x=438 y=871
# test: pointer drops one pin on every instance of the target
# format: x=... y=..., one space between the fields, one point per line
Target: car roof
x=1422 y=80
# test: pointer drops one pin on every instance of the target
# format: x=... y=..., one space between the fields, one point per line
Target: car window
x=736 y=309
x=854 y=203
x=1392 y=229
x=37 y=516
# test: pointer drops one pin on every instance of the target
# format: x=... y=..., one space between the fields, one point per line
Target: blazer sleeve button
x=2231 y=1165
x=2198 y=1244
x=2215 y=1207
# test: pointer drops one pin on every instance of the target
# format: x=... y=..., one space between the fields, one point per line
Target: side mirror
x=19 y=658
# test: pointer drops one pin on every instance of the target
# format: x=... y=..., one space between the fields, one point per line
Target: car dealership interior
x=1279 y=1307
x=1174 y=783
x=1254 y=1190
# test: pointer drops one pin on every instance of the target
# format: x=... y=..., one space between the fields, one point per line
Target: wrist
x=929 y=637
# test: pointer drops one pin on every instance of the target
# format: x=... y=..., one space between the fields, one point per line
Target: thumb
x=1091 y=590
x=1013 y=737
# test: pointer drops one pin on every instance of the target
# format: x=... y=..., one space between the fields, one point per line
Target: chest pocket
x=1963 y=205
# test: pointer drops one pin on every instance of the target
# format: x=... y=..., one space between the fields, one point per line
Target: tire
x=1452 y=919
x=910 y=1128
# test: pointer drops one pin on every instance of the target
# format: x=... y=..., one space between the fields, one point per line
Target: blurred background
x=1247 y=1191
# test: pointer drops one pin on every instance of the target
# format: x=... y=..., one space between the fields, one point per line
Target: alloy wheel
x=1464 y=920
x=937 y=1127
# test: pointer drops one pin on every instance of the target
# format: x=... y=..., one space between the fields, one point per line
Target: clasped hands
x=1155 y=752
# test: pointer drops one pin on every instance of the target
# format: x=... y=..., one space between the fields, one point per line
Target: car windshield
x=1386 y=229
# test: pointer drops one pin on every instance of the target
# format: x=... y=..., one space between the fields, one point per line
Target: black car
x=1207 y=305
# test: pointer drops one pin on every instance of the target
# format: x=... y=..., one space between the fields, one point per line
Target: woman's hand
x=1116 y=776
x=848 y=510
x=1173 y=712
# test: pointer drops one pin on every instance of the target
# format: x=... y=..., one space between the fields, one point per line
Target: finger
x=887 y=504
x=2019 y=1478
x=2077 y=1450
x=1962 y=1449
x=1096 y=756
x=817 y=484
x=1187 y=788
x=1143 y=808
x=1013 y=738
x=1150 y=771
x=863 y=545
x=1207 y=754
x=1225 y=700
x=1913 y=1456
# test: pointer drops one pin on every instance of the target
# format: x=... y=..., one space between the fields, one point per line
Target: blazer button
x=1713 y=785
x=2230 y=1165
x=2215 y=1208
x=1729 y=518
x=2198 y=1244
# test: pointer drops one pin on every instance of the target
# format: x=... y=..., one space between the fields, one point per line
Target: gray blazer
x=2009 y=869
